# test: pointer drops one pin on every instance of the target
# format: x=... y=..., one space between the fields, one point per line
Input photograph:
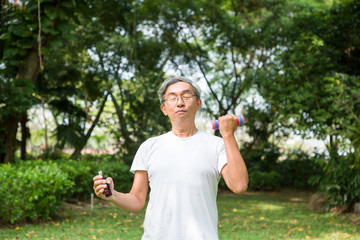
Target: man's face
x=186 y=104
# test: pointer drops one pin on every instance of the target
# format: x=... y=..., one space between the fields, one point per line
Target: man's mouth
x=180 y=111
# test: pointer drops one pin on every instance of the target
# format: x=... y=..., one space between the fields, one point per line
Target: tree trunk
x=123 y=128
x=25 y=134
x=45 y=125
x=86 y=137
x=28 y=70
x=11 y=126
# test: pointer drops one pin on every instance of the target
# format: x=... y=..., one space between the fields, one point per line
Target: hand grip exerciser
x=107 y=190
x=240 y=122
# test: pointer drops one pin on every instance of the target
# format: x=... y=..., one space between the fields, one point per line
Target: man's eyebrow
x=185 y=91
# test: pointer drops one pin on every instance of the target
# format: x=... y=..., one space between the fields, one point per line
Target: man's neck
x=184 y=132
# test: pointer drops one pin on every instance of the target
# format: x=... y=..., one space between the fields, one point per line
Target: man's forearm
x=127 y=201
x=237 y=175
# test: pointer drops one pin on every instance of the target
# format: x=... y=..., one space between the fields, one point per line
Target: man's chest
x=185 y=163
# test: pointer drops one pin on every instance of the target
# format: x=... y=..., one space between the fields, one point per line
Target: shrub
x=264 y=180
x=294 y=172
x=31 y=190
x=297 y=169
x=340 y=179
x=263 y=160
x=81 y=172
x=36 y=189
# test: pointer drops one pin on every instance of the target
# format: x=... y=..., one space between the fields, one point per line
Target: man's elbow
x=239 y=188
x=138 y=207
x=134 y=209
x=137 y=210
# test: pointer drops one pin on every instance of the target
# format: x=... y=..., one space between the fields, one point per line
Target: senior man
x=182 y=168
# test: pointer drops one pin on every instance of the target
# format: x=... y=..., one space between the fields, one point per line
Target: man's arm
x=234 y=172
x=133 y=201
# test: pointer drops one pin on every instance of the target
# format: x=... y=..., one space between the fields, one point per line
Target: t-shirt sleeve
x=222 y=159
x=139 y=162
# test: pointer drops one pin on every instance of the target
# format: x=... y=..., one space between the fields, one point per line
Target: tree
x=315 y=84
x=28 y=29
x=130 y=66
x=305 y=83
x=224 y=41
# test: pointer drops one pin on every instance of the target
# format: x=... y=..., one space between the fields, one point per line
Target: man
x=182 y=168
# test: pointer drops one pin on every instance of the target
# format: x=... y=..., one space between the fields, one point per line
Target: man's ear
x=163 y=109
x=198 y=102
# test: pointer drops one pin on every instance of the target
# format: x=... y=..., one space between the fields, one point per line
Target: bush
x=81 y=172
x=263 y=160
x=31 y=190
x=297 y=169
x=264 y=180
x=294 y=172
x=36 y=189
x=340 y=179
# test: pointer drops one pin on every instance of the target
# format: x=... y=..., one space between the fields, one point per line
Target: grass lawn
x=280 y=215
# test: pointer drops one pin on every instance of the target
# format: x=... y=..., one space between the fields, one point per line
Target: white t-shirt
x=183 y=177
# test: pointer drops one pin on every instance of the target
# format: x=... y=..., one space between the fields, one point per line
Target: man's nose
x=180 y=101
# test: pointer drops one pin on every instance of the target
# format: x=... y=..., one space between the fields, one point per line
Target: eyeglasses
x=172 y=100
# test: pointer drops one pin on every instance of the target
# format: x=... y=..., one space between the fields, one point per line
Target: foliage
x=313 y=76
x=81 y=172
x=59 y=181
x=315 y=83
x=263 y=159
x=267 y=172
x=104 y=60
x=21 y=22
x=223 y=41
x=297 y=170
x=31 y=190
x=264 y=180
x=127 y=66
x=15 y=96
x=23 y=45
x=265 y=126
x=345 y=95
x=74 y=95
x=340 y=180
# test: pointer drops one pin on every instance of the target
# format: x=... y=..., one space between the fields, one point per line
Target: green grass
x=281 y=216
x=250 y=216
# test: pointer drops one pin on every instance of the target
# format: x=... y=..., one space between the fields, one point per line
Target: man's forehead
x=179 y=87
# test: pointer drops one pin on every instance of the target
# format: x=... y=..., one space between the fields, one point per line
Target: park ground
x=252 y=215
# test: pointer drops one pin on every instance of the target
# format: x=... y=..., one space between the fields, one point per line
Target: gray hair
x=174 y=79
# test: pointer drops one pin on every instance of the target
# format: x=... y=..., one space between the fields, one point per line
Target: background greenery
x=75 y=74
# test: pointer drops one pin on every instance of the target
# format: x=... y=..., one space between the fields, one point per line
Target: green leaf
x=56 y=43
x=13 y=62
x=65 y=27
x=4 y=36
x=50 y=31
x=25 y=43
x=51 y=12
x=19 y=30
x=69 y=36
x=45 y=22
x=10 y=52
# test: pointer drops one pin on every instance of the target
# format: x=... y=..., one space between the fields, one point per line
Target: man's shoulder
x=210 y=139
x=209 y=136
x=152 y=140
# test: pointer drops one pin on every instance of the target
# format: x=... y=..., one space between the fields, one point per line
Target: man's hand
x=100 y=185
x=228 y=124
